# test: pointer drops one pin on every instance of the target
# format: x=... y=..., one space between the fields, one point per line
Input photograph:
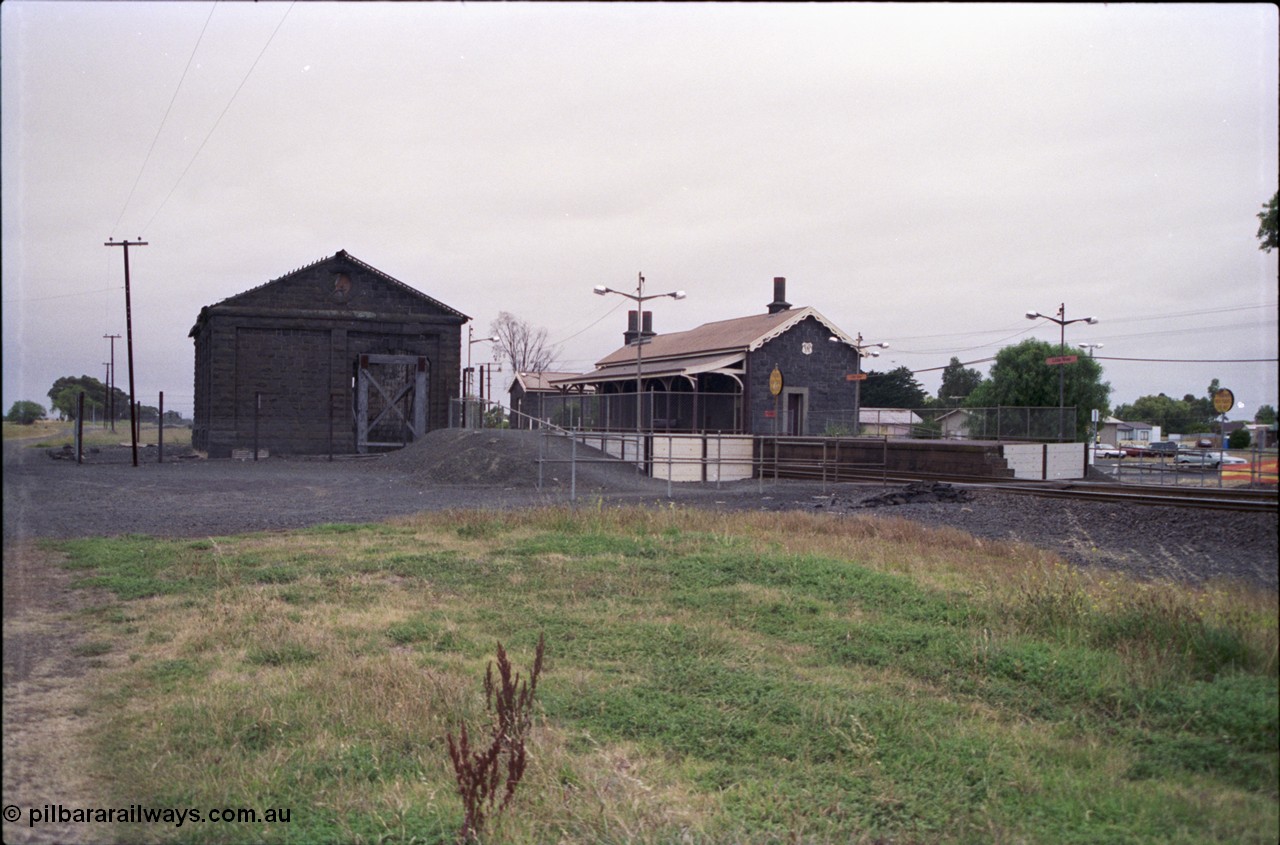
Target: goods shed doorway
x=391 y=400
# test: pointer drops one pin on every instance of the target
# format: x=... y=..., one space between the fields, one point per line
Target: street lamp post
x=859 y=349
x=639 y=298
x=466 y=376
x=1063 y=322
x=1090 y=347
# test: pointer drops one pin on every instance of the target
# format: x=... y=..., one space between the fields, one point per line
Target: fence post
x=160 y=432
x=79 y=427
x=257 y=404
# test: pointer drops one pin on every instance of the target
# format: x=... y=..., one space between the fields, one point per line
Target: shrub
x=480 y=772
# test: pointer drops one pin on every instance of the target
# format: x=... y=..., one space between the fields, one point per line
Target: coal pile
x=915 y=493
x=515 y=459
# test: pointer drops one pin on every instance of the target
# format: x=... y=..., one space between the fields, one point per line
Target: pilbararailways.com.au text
x=138 y=814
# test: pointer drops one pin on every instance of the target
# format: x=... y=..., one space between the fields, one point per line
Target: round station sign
x=1224 y=400
x=775 y=381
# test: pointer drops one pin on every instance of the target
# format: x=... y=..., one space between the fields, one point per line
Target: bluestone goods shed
x=335 y=357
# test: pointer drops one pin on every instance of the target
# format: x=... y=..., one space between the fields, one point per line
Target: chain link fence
x=1039 y=425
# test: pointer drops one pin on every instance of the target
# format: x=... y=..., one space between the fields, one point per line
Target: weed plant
x=717 y=678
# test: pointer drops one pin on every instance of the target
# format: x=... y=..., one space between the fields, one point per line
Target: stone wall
x=818 y=376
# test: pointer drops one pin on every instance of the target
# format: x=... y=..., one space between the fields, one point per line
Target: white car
x=1209 y=459
x=1106 y=450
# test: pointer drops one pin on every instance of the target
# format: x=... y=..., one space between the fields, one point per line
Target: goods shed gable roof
x=317 y=290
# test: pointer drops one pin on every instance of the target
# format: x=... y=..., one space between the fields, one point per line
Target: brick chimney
x=634 y=332
x=779 y=296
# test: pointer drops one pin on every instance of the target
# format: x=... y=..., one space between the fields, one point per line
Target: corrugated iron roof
x=660 y=368
x=742 y=334
x=542 y=380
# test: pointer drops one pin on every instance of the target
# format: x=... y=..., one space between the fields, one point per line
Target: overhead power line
x=1193 y=360
x=221 y=115
x=61 y=295
x=164 y=119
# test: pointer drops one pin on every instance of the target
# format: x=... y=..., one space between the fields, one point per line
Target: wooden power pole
x=111 y=382
x=128 y=330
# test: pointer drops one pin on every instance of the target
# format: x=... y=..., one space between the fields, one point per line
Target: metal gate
x=391 y=401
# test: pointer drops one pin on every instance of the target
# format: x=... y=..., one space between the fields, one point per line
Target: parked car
x=1204 y=459
x=1106 y=450
x=1204 y=443
x=1209 y=459
x=1163 y=447
x=1134 y=451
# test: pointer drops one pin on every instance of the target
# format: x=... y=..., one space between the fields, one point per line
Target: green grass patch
x=709 y=678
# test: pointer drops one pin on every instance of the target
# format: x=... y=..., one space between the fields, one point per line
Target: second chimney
x=779 y=296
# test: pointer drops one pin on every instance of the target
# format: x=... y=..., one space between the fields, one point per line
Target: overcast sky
x=922 y=175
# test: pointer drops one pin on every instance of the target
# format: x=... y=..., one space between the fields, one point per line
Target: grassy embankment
x=49 y=434
x=709 y=678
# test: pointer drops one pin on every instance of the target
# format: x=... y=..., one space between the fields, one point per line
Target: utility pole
x=111 y=382
x=128 y=330
x=106 y=400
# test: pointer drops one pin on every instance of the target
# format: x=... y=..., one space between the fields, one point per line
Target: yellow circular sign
x=1224 y=400
x=775 y=381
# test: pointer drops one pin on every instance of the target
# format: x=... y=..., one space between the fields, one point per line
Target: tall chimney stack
x=633 y=328
x=646 y=324
x=779 y=296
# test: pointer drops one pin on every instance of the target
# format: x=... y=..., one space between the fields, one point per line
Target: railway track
x=1203 y=498
x=1206 y=498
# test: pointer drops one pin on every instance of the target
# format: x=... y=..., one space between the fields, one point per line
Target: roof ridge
x=344 y=255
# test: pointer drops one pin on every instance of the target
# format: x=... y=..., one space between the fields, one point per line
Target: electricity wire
x=164 y=120
x=221 y=115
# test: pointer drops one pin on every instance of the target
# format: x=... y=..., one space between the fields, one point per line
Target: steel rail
x=1227 y=498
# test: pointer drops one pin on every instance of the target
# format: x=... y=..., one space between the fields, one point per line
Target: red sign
x=855 y=377
x=1062 y=359
x=769 y=415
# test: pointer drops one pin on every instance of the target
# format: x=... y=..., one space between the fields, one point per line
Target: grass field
x=718 y=678
x=47 y=434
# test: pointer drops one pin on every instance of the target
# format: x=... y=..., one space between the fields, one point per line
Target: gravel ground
x=44 y=497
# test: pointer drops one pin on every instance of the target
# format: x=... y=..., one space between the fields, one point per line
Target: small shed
x=527 y=393
x=334 y=357
x=888 y=422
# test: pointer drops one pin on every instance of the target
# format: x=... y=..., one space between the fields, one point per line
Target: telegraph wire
x=62 y=295
x=164 y=120
x=620 y=303
x=1191 y=360
x=217 y=122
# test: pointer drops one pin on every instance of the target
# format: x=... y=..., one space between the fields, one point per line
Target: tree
x=1020 y=377
x=895 y=389
x=64 y=396
x=521 y=345
x=1266 y=415
x=1269 y=231
x=1239 y=439
x=958 y=382
x=25 y=413
x=1187 y=415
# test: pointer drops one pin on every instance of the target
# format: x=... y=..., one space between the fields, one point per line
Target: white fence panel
x=677 y=457
x=1064 y=460
x=729 y=458
x=1026 y=460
